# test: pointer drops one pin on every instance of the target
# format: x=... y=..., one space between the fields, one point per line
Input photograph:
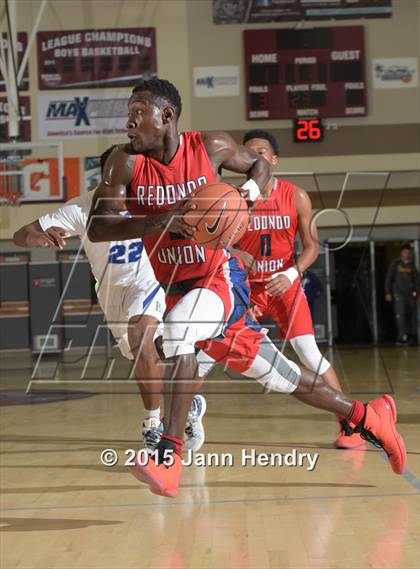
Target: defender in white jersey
x=125 y=281
x=131 y=298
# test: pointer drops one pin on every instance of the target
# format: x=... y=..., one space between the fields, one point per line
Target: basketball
x=221 y=215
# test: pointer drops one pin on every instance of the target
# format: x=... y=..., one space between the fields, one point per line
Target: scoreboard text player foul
x=317 y=72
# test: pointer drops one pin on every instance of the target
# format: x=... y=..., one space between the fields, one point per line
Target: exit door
x=357 y=312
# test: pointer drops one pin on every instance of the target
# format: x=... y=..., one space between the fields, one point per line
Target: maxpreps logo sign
x=76 y=109
x=220 y=81
x=85 y=115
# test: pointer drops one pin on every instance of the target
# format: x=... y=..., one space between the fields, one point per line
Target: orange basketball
x=221 y=216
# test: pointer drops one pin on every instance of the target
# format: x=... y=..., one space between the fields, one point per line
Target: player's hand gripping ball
x=220 y=216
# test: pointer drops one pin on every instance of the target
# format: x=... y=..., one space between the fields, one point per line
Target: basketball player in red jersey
x=267 y=249
x=206 y=290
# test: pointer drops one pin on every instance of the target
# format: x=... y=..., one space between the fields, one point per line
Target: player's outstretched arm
x=307 y=230
x=52 y=228
x=32 y=235
x=225 y=152
x=105 y=222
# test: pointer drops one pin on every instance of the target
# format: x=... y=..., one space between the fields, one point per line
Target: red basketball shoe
x=379 y=429
x=347 y=437
x=161 y=479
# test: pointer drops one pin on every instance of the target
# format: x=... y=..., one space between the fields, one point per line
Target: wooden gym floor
x=62 y=509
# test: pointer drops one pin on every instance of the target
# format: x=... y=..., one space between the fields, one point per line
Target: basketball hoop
x=28 y=171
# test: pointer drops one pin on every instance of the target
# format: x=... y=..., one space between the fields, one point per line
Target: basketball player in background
x=205 y=289
x=267 y=250
x=131 y=299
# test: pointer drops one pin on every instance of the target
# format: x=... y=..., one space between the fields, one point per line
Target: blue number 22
x=118 y=253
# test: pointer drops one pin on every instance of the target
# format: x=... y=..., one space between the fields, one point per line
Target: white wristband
x=291 y=273
x=252 y=188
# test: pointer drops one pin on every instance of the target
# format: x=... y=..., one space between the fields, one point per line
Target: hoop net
x=31 y=172
x=11 y=190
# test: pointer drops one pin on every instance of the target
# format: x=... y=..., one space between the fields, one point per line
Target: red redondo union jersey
x=156 y=188
x=270 y=237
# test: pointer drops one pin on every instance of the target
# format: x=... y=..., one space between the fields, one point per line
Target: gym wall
x=387 y=139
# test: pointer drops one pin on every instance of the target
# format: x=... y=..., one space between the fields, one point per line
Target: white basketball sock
x=152 y=414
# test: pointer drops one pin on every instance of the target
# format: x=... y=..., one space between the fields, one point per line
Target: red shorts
x=238 y=345
x=290 y=310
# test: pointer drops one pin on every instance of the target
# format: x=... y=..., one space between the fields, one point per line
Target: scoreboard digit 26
x=318 y=72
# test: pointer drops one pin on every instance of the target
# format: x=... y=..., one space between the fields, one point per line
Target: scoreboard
x=318 y=72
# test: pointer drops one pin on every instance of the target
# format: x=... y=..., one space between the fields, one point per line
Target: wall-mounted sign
x=22 y=44
x=83 y=115
x=395 y=73
x=219 y=81
x=263 y=11
x=95 y=58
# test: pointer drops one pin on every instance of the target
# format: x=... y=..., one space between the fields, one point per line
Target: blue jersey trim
x=250 y=323
x=240 y=289
x=241 y=294
x=151 y=296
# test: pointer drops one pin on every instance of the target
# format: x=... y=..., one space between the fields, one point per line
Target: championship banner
x=24 y=124
x=95 y=58
x=82 y=115
x=21 y=45
x=263 y=11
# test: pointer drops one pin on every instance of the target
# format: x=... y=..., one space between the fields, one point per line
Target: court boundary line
x=406 y=474
x=171 y=503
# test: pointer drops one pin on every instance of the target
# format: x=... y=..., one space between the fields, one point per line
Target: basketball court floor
x=62 y=508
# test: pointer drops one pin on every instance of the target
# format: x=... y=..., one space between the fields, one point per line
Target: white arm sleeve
x=72 y=216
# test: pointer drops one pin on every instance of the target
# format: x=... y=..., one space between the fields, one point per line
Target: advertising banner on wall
x=263 y=11
x=24 y=124
x=395 y=73
x=22 y=44
x=219 y=81
x=95 y=58
x=83 y=115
